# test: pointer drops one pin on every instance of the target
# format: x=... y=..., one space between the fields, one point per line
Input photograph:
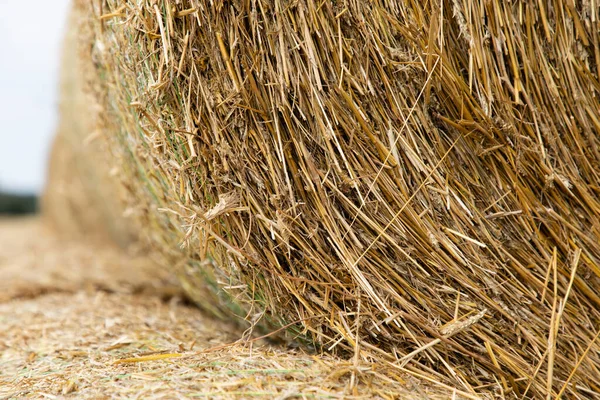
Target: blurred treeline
x=17 y=203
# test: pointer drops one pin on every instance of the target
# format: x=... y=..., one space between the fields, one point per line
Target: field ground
x=84 y=320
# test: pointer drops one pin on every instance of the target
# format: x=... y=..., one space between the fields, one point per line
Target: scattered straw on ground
x=65 y=333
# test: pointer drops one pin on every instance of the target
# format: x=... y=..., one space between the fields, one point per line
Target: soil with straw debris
x=84 y=320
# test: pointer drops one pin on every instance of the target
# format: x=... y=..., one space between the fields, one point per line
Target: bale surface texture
x=414 y=183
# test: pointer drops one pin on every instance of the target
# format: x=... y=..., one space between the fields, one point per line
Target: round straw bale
x=413 y=182
x=81 y=196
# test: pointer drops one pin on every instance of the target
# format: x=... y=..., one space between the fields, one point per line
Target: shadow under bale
x=415 y=183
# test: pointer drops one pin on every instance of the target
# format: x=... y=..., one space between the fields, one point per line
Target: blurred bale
x=413 y=182
x=81 y=197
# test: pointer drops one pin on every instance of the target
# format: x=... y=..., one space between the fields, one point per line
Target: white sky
x=30 y=42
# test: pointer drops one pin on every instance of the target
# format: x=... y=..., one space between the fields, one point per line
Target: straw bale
x=81 y=197
x=412 y=183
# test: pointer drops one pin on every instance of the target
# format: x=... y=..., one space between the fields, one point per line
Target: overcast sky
x=30 y=41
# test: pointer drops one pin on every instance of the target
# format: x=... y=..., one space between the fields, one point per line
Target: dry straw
x=412 y=182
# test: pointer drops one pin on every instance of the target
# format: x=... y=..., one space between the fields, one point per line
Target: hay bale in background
x=413 y=182
x=81 y=196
